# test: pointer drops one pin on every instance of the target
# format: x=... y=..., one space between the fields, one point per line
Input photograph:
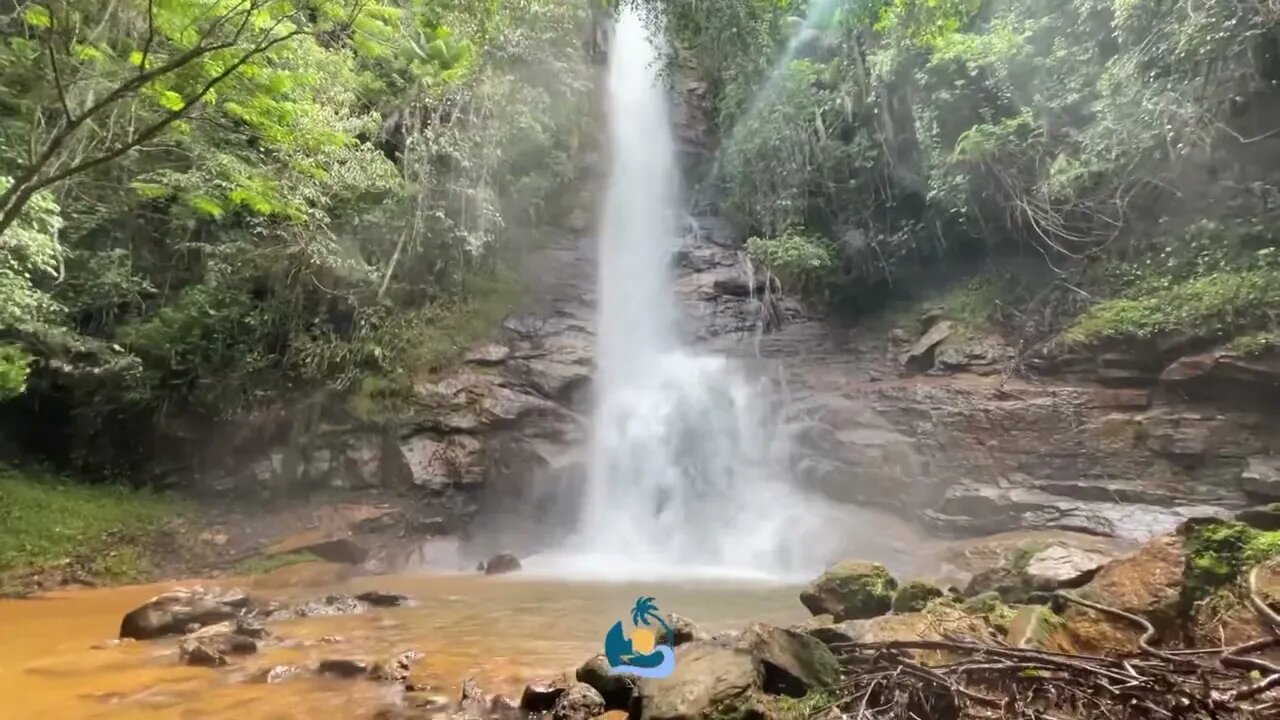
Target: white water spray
x=688 y=474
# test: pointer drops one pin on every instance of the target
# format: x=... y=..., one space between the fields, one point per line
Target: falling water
x=688 y=473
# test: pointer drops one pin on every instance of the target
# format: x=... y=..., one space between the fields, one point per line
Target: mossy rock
x=1220 y=552
x=852 y=590
x=989 y=606
x=915 y=596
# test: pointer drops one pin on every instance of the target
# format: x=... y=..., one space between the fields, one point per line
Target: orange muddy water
x=58 y=658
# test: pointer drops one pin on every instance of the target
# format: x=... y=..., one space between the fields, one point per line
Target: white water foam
x=689 y=475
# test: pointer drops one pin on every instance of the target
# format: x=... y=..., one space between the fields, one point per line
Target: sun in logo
x=641 y=654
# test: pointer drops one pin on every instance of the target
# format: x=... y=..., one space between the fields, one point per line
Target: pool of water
x=58 y=658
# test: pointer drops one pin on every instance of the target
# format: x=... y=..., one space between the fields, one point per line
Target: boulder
x=472 y=701
x=1266 y=517
x=616 y=689
x=198 y=654
x=323 y=607
x=940 y=621
x=915 y=595
x=541 y=696
x=1058 y=567
x=793 y=663
x=501 y=563
x=852 y=590
x=176 y=611
x=380 y=599
x=1148 y=583
x=684 y=629
x=920 y=357
x=1031 y=569
x=708 y=677
x=210 y=646
x=502 y=707
x=343 y=668
x=579 y=702
x=1261 y=478
x=396 y=669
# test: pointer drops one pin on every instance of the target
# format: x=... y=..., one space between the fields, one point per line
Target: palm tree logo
x=640 y=654
x=645 y=610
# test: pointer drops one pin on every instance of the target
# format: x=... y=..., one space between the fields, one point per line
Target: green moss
x=104 y=531
x=1255 y=343
x=1219 y=553
x=1021 y=556
x=852 y=590
x=972 y=306
x=990 y=606
x=810 y=705
x=261 y=564
x=1210 y=306
x=1212 y=280
x=915 y=596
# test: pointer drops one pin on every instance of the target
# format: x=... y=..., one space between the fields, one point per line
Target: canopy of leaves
x=207 y=206
x=907 y=130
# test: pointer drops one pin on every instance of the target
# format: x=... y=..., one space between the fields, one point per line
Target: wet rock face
x=851 y=590
x=977 y=456
x=1261 y=477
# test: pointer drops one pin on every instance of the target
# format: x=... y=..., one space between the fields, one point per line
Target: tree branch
x=17 y=200
x=58 y=85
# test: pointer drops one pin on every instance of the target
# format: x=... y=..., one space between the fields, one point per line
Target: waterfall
x=688 y=472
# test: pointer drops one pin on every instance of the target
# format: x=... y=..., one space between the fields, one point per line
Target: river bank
x=464 y=642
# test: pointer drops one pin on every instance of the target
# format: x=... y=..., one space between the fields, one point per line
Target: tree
x=209 y=42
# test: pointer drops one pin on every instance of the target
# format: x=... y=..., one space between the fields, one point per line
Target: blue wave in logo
x=663 y=669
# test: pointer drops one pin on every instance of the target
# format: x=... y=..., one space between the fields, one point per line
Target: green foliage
x=209 y=207
x=812 y=704
x=1255 y=343
x=1220 y=553
x=990 y=606
x=104 y=530
x=14 y=368
x=1210 y=306
x=800 y=261
x=263 y=564
x=915 y=596
x=908 y=130
x=29 y=255
x=1210 y=281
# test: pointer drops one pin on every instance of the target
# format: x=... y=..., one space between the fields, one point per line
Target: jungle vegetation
x=208 y=207
x=1127 y=149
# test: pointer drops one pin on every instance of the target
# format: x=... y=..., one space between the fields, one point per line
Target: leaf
x=38 y=16
x=206 y=205
x=437 y=51
x=171 y=100
x=88 y=53
x=151 y=191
